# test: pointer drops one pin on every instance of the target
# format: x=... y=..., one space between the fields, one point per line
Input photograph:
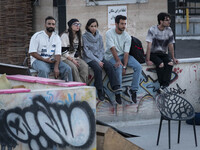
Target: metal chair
x=174 y=107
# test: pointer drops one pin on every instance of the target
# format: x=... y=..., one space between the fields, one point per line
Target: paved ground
x=148 y=135
x=187 y=48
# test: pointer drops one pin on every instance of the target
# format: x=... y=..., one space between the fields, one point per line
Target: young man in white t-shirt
x=45 y=51
x=118 y=43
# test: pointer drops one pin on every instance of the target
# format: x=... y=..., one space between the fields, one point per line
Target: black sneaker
x=134 y=96
x=118 y=99
x=100 y=94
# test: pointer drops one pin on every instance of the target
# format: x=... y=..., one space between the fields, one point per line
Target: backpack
x=137 y=50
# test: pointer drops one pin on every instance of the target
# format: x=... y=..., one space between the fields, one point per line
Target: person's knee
x=137 y=67
x=68 y=69
x=45 y=70
x=161 y=65
x=170 y=63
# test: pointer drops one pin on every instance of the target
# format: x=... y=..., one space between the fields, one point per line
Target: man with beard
x=159 y=39
x=118 y=43
x=45 y=51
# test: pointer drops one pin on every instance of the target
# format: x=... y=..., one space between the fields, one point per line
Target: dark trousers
x=164 y=73
x=110 y=71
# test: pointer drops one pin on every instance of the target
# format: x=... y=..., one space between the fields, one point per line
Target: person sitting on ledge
x=45 y=51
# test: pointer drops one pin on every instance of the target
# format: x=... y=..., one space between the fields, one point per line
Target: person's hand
x=123 y=71
x=56 y=72
x=50 y=60
x=75 y=62
x=118 y=63
x=149 y=63
x=175 y=61
x=101 y=64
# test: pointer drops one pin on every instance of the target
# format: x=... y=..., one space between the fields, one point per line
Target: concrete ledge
x=185 y=81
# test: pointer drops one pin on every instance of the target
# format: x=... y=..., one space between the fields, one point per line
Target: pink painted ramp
x=70 y=84
x=12 y=91
x=33 y=79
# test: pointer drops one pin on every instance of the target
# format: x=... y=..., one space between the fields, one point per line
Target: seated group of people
x=70 y=54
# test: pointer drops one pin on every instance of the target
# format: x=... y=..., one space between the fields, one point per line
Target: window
x=111 y=2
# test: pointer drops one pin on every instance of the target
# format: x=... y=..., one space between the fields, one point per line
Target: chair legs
x=169 y=135
x=179 y=130
x=195 y=136
x=161 y=119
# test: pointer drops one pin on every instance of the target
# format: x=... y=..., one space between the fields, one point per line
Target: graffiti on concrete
x=43 y=125
x=177 y=90
x=148 y=85
x=6 y=141
x=194 y=72
x=147 y=91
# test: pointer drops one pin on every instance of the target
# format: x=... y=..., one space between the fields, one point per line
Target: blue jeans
x=135 y=65
x=44 y=69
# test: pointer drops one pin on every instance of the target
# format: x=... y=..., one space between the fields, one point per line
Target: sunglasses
x=77 y=24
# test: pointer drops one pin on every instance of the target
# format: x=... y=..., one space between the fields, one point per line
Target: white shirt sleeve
x=109 y=40
x=149 y=37
x=65 y=40
x=58 y=46
x=34 y=43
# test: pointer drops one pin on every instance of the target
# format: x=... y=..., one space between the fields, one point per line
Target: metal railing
x=193 y=7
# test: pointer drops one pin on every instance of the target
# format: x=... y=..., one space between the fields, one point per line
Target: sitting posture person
x=72 y=51
x=93 y=55
x=159 y=39
x=118 y=43
x=45 y=51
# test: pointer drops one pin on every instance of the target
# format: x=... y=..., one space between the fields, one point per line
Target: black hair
x=119 y=17
x=90 y=21
x=162 y=16
x=49 y=18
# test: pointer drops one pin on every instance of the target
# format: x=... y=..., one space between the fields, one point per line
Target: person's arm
x=111 y=46
x=114 y=53
x=148 y=53
x=125 y=63
x=56 y=66
x=89 y=54
x=171 y=50
x=38 y=57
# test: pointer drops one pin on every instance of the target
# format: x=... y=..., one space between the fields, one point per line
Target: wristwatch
x=124 y=67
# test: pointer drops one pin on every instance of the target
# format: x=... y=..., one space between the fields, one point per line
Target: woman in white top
x=72 y=51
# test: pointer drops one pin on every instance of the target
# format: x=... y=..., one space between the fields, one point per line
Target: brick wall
x=15 y=30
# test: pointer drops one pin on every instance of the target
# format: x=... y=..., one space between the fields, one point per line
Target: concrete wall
x=185 y=81
x=140 y=16
x=41 y=10
x=47 y=117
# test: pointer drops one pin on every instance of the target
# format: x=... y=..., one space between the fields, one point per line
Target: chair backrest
x=174 y=107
